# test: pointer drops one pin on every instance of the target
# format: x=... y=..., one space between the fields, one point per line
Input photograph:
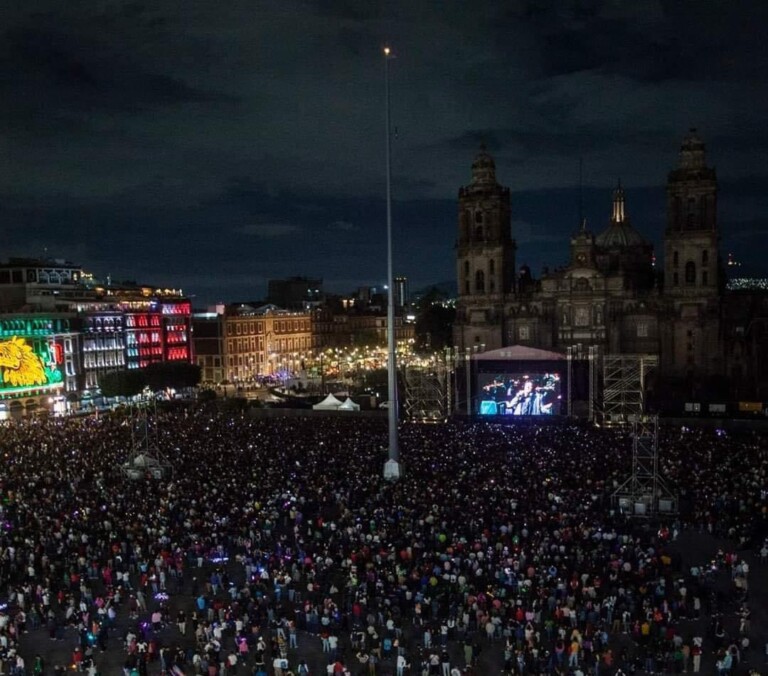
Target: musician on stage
x=528 y=401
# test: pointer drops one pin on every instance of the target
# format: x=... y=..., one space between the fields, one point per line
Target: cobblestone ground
x=692 y=548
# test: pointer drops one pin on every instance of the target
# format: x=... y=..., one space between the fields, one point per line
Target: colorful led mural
x=28 y=364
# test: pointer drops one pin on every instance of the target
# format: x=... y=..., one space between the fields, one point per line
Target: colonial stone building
x=609 y=294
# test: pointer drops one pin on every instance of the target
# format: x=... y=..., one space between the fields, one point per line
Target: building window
x=581 y=316
x=524 y=333
x=478 y=217
x=705 y=257
x=492 y=267
x=690 y=272
x=480 y=282
x=675 y=258
x=675 y=280
x=705 y=278
x=642 y=329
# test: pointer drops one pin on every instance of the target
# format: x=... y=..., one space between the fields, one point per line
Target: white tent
x=330 y=403
x=349 y=405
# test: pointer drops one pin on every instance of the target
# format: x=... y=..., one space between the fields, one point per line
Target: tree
x=126 y=383
x=176 y=375
x=434 y=322
x=369 y=337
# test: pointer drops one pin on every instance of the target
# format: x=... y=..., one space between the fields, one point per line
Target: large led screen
x=521 y=394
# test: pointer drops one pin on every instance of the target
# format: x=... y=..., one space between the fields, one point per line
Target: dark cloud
x=219 y=146
x=64 y=70
x=651 y=41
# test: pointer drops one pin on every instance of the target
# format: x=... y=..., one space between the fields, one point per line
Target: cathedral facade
x=609 y=294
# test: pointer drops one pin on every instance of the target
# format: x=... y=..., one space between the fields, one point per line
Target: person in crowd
x=505 y=536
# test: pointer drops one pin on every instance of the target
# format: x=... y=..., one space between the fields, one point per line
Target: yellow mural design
x=19 y=365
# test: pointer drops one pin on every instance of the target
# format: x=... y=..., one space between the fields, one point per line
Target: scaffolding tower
x=645 y=493
x=594 y=365
x=590 y=356
x=624 y=386
x=426 y=392
x=145 y=461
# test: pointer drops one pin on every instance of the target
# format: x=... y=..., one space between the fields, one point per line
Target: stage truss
x=645 y=493
x=145 y=461
x=427 y=392
x=624 y=386
x=590 y=354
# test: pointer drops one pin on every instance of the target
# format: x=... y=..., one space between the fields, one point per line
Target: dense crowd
x=500 y=545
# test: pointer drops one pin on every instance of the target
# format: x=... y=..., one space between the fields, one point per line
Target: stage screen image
x=523 y=394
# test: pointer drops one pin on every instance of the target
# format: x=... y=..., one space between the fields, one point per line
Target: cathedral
x=609 y=295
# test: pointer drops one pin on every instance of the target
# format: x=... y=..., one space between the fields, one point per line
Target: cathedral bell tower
x=692 y=264
x=485 y=257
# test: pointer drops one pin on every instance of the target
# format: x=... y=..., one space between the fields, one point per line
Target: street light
x=392 y=466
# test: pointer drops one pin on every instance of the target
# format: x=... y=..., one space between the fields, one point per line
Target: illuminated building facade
x=156 y=330
x=38 y=361
x=92 y=328
x=264 y=341
x=241 y=343
x=103 y=340
x=289 y=341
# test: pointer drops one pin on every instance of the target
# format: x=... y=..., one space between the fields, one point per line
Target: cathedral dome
x=619 y=234
x=483 y=168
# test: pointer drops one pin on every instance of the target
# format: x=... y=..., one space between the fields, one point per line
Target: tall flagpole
x=392 y=466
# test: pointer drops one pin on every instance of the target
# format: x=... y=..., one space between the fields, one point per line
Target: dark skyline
x=217 y=146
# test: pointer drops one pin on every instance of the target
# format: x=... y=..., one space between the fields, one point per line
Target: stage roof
x=518 y=353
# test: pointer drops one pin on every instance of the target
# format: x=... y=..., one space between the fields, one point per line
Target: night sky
x=217 y=145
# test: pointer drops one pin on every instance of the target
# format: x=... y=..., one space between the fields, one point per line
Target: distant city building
x=295 y=293
x=253 y=342
x=402 y=294
x=356 y=329
x=208 y=340
x=244 y=343
x=608 y=295
x=747 y=283
x=39 y=285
